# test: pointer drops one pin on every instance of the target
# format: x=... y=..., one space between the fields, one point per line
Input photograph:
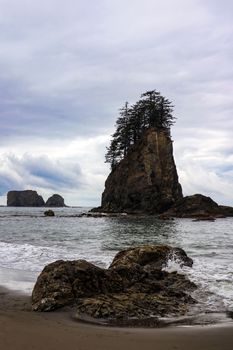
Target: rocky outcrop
x=55 y=201
x=226 y=210
x=198 y=206
x=150 y=255
x=146 y=179
x=26 y=198
x=29 y=198
x=49 y=213
x=134 y=287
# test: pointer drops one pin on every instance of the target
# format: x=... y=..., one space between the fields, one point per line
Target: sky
x=67 y=66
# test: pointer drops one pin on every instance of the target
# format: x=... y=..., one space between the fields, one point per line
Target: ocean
x=29 y=241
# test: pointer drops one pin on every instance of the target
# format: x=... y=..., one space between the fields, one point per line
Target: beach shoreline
x=23 y=329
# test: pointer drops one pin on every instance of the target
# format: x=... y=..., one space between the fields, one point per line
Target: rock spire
x=146 y=179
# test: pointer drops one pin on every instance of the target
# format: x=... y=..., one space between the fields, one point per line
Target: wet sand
x=22 y=329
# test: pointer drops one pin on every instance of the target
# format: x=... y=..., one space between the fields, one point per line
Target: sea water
x=29 y=241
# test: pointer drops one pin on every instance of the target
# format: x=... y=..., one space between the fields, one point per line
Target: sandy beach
x=22 y=329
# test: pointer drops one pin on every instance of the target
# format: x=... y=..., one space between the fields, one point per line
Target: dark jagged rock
x=26 y=198
x=63 y=282
x=94 y=214
x=55 y=201
x=150 y=255
x=146 y=179
x=226 y=210
x=133 y=288
x=198 y=206
x=49 y=213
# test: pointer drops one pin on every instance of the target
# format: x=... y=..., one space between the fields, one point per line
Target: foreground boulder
x=134 y=287
x=55 y=201
x=66 y=282
x=27 y=198
x=198 y=206
x=146 y=179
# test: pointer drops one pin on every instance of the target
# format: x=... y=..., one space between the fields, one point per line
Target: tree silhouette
x=151 y=111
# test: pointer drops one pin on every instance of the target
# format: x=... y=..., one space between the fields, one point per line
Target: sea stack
x=146 y=179
x=27 y=198
x=55 y=201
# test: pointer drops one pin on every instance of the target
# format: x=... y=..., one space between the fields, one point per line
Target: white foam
x=175 y=264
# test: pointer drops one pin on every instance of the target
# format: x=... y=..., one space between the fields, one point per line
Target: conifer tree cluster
x=152 y=110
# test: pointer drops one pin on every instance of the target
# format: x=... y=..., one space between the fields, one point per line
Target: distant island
x=29 y=198
x=143 y=176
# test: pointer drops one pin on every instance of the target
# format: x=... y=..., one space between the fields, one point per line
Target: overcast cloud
x=66 y=67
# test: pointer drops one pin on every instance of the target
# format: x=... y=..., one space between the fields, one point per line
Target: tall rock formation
x=146 y=179
x=26 y=198
x=55 y=201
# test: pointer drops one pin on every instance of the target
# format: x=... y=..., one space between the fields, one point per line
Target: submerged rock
x=49 y=213
x=146 y=179
x=204 y=218
x=133 y=287
x=27 y=198
x=96 y=214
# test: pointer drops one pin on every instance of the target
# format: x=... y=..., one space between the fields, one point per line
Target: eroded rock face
x=198 y=206
x=63 y=282
x=134 y=286
x=26 y=198
x=146 y=179
x=55 y=201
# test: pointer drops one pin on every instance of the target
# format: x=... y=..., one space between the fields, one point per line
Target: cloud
x=81 y=62
x=195 y=179
x=39 y=172
x=60 y=172
x=67 y=66
x=205 y=164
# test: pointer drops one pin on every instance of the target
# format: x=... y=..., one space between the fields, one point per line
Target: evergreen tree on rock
x=152 y=110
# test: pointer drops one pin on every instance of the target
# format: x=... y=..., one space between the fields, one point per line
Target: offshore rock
x=26 y=198
x=146 y=179
x=49 y=213
x=55 y=201
x=226 y=210
x=198 y=206
x=135 y=287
